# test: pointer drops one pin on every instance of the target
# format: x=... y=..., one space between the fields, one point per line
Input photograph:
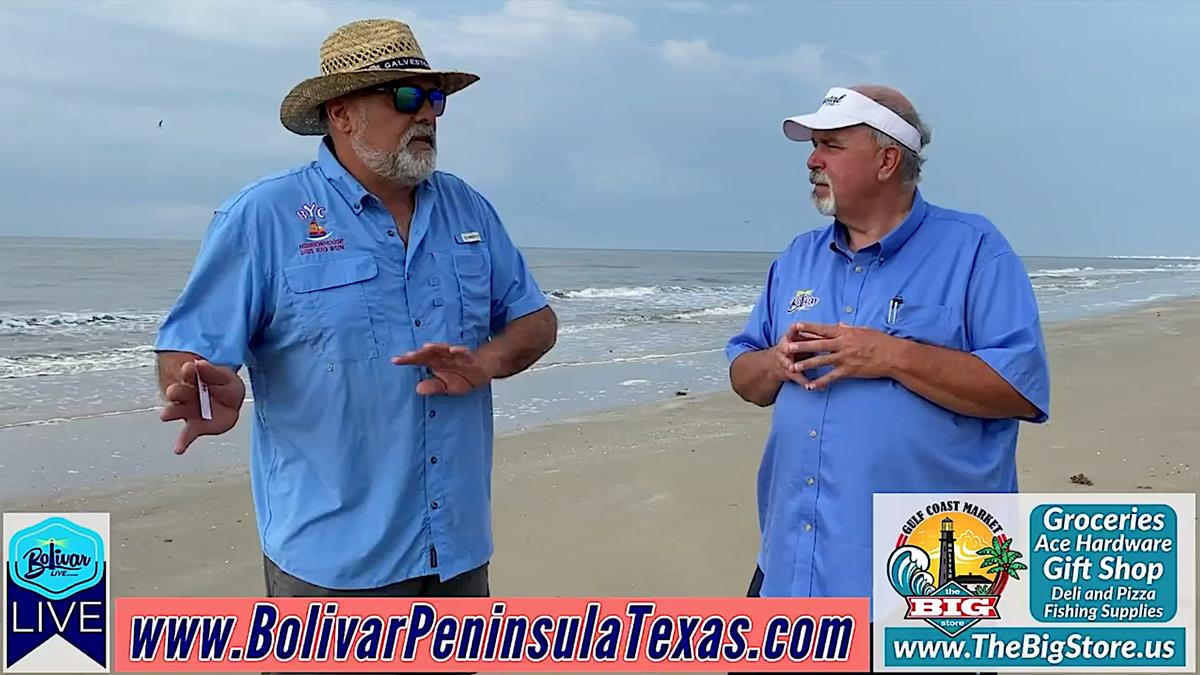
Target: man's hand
x=226 y=391
x=852 y=352
x=793 y=343
x=455 y=369
x=757 y=375
x=957 y=380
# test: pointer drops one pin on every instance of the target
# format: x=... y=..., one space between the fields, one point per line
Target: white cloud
x=518 y=29
x=707 y=7
x=525 y=28
x=252 y=24
x=689 y=53
x=807 y=62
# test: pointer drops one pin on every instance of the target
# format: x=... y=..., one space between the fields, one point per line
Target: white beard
x=826 y=206
x=402 y=166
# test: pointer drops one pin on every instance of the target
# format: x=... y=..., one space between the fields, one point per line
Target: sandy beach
x=659 y=500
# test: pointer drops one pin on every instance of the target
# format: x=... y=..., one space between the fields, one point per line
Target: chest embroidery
x=803 y=300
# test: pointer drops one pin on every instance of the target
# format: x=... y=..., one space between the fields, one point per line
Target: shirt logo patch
x=469 y=238
x=313 y=215
x=803 y=300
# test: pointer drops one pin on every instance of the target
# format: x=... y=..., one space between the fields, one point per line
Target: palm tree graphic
x=1003 y=562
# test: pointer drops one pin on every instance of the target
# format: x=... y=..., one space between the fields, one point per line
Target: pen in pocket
x=894 y=309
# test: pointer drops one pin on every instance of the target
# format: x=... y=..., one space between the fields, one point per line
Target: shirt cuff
x=1013 y=367
x=736 y=349
x=524 y=306
x=204 y=350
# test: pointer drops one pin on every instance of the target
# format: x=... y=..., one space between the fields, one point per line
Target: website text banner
x=1072 y=582
x=491 y=634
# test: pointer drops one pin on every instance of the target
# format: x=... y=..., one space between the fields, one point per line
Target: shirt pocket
x=332 y=309
x=929 y=324
x=473 y=274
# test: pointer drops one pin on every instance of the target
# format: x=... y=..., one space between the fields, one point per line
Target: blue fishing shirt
x=958 y=284
x=302 y=278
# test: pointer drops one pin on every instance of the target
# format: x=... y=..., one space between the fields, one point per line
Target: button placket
x=852 y=294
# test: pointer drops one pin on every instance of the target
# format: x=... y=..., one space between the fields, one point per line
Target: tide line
x=623 y=359
x=89 y=416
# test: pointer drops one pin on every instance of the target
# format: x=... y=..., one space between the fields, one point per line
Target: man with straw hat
x=372 y=300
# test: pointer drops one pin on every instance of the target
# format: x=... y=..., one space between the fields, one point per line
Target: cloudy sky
x=646 y=124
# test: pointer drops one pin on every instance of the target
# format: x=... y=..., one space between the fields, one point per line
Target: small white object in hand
x=205 y=401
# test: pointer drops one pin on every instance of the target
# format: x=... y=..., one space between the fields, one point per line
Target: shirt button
x=433 y=460
x=433 y=505
x=417 y=323
x=858 y=269
x=811 y=480
x=808 y=527
x=391 y=233
x=849 y=309
x=812 y=434
x=433 y=413
x=331 y=367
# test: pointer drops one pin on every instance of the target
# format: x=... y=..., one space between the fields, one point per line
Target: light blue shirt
x=357 y=480
x=962 y=287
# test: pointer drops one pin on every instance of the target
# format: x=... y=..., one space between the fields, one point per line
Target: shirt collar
x=893 y=240
x=344 y=182
x=337 y=175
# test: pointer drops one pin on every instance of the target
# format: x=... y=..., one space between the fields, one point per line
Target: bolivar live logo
x=56 y=593
x=974 y=560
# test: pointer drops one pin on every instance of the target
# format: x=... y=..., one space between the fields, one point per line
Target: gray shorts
x=470 y=584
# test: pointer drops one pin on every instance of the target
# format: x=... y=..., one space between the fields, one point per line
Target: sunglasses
x=408 y=99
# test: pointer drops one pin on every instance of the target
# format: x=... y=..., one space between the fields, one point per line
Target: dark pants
x=755 y=590
x=470 y=584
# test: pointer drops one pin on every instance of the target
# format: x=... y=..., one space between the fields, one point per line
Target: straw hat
x=358 y=55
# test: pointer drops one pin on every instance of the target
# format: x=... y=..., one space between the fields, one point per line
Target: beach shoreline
x=624 y=457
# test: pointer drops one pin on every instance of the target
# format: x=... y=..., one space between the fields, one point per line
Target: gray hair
x=910 y=162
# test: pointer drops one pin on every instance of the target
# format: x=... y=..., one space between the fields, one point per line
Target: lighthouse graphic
x=946 y=565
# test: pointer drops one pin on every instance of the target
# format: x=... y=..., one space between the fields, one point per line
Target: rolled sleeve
x=1005 y=329
x=515 y=292
x=759 y=331
x=220 y=306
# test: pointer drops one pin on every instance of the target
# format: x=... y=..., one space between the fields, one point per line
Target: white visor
x=846 y=108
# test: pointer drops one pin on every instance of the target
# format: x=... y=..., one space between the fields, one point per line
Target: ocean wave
x=1059 y=272
x=1153 y=257
x=730 y=310
x=693 y=316
x=1067 y=284
x=1069 y=272
x=44 y=365
x=616 y=322
x=606 y=293
x=75 y=322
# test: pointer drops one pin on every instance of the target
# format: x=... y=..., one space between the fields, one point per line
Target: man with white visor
x=899 y=344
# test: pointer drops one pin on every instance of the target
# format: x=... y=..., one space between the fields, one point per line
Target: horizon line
x=1146 y=256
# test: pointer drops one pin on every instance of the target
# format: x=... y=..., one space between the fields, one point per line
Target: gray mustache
x=422 y=131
